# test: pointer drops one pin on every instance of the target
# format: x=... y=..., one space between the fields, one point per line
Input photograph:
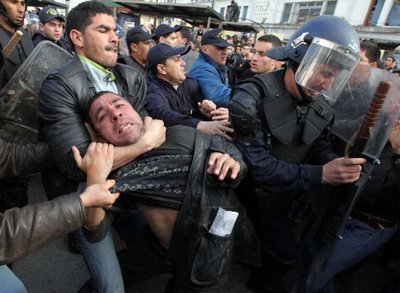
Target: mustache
x=111 y=47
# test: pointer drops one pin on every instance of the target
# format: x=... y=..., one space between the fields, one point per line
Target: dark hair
x=91 y=101
x=80 y=17
x=185 y=32
x=371 y=51
x=274 y=40
x=391 y=57
x=153 y=70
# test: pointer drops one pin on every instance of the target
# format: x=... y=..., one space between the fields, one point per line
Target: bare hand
x=154 y=133
x=220 y=114
x=395 y=137
x=342 y=170
x=223 y=165
x=216 y=127
x=97 y=162
x=206 y=107
x=99 y=195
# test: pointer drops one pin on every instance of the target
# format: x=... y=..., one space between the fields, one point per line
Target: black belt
x=374 y=222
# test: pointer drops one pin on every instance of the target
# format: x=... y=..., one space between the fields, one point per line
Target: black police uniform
x=277 y=134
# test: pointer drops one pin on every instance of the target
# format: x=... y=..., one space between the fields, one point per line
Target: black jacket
x=63 y=43
x=128 y=60
x=202 y=197
x=174 y=107
x=18 y=159
x=18 y=55
x=62 y=107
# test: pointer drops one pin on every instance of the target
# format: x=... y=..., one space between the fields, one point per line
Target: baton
x=17 y=36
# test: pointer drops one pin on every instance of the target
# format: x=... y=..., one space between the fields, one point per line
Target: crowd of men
x=189 y=135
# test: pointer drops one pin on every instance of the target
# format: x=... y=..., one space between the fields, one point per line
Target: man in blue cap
x=210 y=69
x=177 y=100
x=167 y=34
x=139 y=42
x=51 y=26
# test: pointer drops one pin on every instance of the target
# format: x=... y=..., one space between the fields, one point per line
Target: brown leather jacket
x=29 y=228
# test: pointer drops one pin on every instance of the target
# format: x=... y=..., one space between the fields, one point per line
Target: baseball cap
x=214 y=37
x=138 y=33
x=164 y=29
x=163 y=51
x=48 y=13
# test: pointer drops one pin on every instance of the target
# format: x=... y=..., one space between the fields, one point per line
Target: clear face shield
x=371 y=102
x=325 y=69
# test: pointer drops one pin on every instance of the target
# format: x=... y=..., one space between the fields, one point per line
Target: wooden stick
x=17 y=36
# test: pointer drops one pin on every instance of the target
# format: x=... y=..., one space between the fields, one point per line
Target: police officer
x=12 y=14
x=281 y=121
x=13 y=192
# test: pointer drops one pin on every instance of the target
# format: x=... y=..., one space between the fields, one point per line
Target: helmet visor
x=325 y=69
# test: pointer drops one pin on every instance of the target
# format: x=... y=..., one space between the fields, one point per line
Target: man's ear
x=133 y=47
x=77 y=38
x=373 y=64
x=161 y=69
x=41 y=26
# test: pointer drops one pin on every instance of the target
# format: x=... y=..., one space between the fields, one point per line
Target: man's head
x=165 y=62
x=91 y=29
x=214 y=45
x=114 y=119
x=51 y=23
x=166 y=34
x=183 y=36
x=369 y=53
x=12 y=13
x=260 y=62
x=389 y=62
x=139 y=42
x=324 y=52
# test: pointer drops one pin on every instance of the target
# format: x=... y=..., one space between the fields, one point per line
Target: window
x=244 y=14
x=394 y=15
x=309 y=10
x=286 y=12
x=330 y=7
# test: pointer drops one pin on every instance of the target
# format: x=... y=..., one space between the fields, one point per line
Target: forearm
x=278 y=175
x=94 y=215
x=24 y=230
x=125 y=154
x=23 y=159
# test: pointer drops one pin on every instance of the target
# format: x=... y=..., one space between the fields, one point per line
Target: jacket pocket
x=211 y=259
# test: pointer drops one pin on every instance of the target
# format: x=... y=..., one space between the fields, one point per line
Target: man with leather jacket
x=281 y=121
x=26 y=229
x=63 y=99
x=176 y=186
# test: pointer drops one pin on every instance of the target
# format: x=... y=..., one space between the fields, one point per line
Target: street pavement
x=54 y=269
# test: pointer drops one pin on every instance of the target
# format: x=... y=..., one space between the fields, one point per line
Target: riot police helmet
x=326 y=50
x=13 y=23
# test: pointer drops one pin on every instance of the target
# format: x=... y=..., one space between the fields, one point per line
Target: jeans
x=102 y=262
x=9 y=283
x=334 y=256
